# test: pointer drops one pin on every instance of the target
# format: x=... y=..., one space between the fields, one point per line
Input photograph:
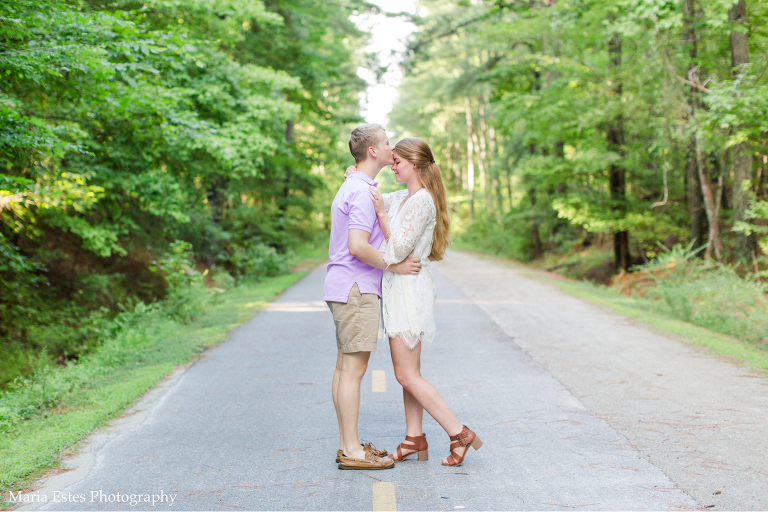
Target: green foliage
x=587 y=120
x=255 y=260
x=709 y=295
x=139 y=141
x=46 y=386
x=582 y=114
x=757 y=212
x=176 y=266
x=509 y=238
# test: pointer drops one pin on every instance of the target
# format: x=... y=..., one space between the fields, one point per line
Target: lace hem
x=412 y=339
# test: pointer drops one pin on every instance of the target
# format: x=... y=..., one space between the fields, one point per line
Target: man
x=353 y=288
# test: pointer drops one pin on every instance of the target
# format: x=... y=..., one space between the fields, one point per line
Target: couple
x=410 y=227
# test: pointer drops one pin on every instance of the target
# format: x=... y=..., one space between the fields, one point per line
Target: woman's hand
x=378 y=200
x=349 y=169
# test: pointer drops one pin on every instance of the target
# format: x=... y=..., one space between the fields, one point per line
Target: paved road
x=251 y=425
x=702 y=419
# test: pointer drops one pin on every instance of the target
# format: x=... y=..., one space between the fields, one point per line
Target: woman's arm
x=419 y=210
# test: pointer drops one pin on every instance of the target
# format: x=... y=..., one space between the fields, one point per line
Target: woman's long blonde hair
x=418 y=152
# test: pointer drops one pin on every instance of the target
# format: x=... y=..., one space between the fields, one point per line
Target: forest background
x=621 y=142
x=148 y=149
x=143 y=144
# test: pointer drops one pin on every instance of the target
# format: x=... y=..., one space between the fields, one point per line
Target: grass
x=101 y=386
x=643 y=310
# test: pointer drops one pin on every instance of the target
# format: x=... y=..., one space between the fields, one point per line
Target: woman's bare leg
x=414 y=413
x=407 y=365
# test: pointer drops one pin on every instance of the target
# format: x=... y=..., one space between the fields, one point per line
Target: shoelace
x=370 y=447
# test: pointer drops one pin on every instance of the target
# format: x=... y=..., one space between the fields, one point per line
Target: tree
x=127 y=129
x=742 y=160
x=606 y=124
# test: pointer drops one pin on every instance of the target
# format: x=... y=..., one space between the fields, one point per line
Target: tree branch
x=673 y=72
x=423 y=42
x=39 y=48
x=666 y=189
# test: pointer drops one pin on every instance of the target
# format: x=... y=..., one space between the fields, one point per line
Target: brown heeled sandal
x=465 y=438
x=416 y=444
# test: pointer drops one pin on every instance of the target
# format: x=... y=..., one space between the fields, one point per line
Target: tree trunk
x=496 y=170
x=448 y=165
x=214 y=204
x=470 y=165
x=283 y=205
x=616 y=172
x=460 y=179
x=695 y=198
x=742 y=161
x=712 y=209
x=509 y=181
x=537 y=247
x=482 y=135
x=480 y=163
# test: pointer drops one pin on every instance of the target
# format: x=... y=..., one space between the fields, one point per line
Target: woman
x=415 y=223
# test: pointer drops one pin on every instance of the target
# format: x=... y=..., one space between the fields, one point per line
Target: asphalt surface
x=251 y=425
x=702 y=419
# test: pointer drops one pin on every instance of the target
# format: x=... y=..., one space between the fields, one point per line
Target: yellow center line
x=378 y=381
x=384 y=496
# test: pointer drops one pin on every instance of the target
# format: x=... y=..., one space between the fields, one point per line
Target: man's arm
x=365 y=252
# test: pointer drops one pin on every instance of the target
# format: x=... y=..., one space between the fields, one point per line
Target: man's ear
x=372 y=152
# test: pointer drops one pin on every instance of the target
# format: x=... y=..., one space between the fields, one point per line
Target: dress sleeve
x=419 y=212
x=387 y=198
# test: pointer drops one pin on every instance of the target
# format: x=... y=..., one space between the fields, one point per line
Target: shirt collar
x=362 y=176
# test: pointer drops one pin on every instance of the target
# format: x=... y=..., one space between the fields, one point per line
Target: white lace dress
x=408 y=302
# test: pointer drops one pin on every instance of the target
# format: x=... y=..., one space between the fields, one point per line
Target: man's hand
x=364 y=251
x=409 y=266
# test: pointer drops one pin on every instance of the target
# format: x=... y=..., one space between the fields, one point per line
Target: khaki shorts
x=357 y=321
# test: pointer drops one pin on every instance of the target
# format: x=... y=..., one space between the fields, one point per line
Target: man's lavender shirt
x=352 y=209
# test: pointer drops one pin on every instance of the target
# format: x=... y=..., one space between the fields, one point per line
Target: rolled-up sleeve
x=362 y=215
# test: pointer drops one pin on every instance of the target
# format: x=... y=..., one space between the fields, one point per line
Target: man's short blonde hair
x=362 y=138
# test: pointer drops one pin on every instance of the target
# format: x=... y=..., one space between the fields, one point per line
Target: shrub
x=183 y=301
x=255 y=260
x=708 y=294
x=510 y=238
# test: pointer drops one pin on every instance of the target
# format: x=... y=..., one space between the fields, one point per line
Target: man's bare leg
x=353 y=368
x=335 y=393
